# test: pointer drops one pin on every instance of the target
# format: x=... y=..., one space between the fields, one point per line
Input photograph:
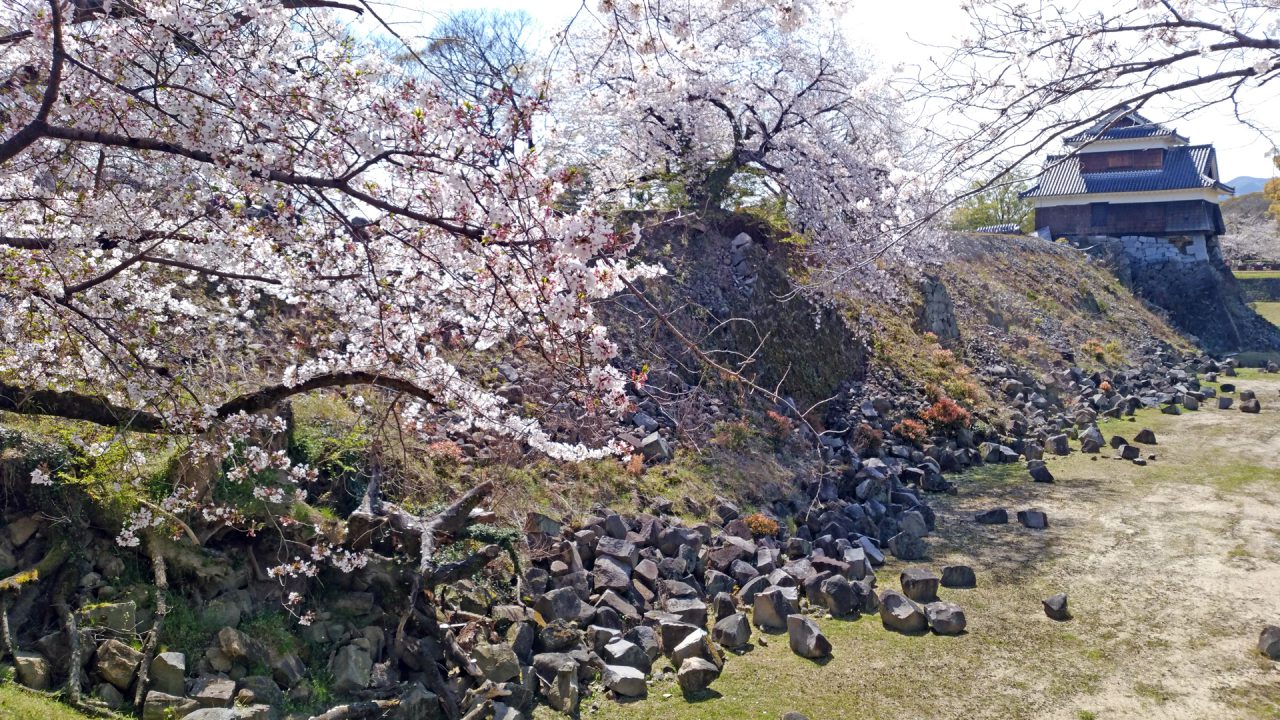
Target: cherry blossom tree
x=173 y=172
x=763 y=97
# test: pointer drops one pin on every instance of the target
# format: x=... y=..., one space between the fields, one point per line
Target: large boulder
x=898 y=612
x=1251 y=406
x=838 y=595
x=1033 y=518
x=919 y=584
x=557 y=675
x=908 y=546
x=1039 y=471
x=162 y=706
x=732 y=632
x=945 y=618
x=118 y=617
x=1269 y=642
x=771 y=609
x=168 y=673
x=697 y=644
x=33 y=670
x=959 y=576
x=117 y=663
x=805 y=639
x=624 y=681
x=1056 y=607
x=497 y=662
x=625 y=652
x=213 y=692
x=695 y=675
x=995 y=516
x=351 y=668
x=559 y=604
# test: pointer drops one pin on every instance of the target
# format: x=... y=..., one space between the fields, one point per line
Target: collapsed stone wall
x=1193 y=285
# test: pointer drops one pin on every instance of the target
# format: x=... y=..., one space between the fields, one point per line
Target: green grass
x=1268 y=310
x=19 y=704
x=1256 y=274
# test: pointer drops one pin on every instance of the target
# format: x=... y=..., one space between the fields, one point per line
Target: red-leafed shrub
x=947 y=414
x=912 y=430
x=761 y=525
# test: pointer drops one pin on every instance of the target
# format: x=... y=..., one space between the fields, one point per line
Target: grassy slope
x=18 y=704
x=1256 y=274
x=1172 y=569
x=1268 y=310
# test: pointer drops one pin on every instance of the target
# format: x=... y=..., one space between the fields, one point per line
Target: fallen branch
x=352 y=711
x=153 y=635
x=46 y=566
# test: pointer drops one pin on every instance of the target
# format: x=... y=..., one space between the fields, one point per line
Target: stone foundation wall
x=1187 y=278
x=1143 y=249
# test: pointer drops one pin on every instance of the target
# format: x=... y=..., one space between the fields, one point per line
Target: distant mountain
x=1245 y=184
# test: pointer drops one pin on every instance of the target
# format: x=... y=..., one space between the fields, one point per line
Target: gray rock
x=1224 y=403
x=771 y=609
x=697 y=644
x=1039 y=471
x=839 y=596
x=624 y=681
x=958 y=576
x=117 y=617
x=557 y=675
x=417 y=703
x=351 y=668
x=117 y=663
x=805 y=639
x=625 y=652
x=33 y=670
x=919 y=584
x=1269 y=642
x=215 y=714
x=1059 y=445
x=945 y=618
x=899 y=613
x=612 y=573
x=672 y=632
x=160 y=706
x=696 y=675
x=497 y=662
x=1251 y=406
x=258 y=690
x=213 y=692
x=995 y=516
x=1033 y=518
x=22 y=529
x=241 y=649
x=909 y=547
x=287 y=670
x=689 y=609
x=732 y=632
x=109 y=695
x=1056 y=607
x=645 y=637
x=559 y=604
x=168 y=673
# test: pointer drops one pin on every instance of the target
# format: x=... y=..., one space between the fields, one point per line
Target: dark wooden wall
x=1191 y=216
x=1150 y=159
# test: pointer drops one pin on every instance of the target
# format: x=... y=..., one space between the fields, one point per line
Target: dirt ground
x=1172 y=570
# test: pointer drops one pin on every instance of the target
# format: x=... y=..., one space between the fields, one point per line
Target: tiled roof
x=1185 y=167
x=1124 y=133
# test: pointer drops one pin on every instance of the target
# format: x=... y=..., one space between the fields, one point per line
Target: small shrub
x=782 y=425
x=946 y=414
x=762 y=525
x=866 y=437
x=445 y=452
x=732 y=434
x=635 y=465
x=911 y=430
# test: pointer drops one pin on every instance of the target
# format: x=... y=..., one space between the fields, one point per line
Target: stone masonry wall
x=1142 y=249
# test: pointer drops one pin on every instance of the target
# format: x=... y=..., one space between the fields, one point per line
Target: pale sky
x=904 y=31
